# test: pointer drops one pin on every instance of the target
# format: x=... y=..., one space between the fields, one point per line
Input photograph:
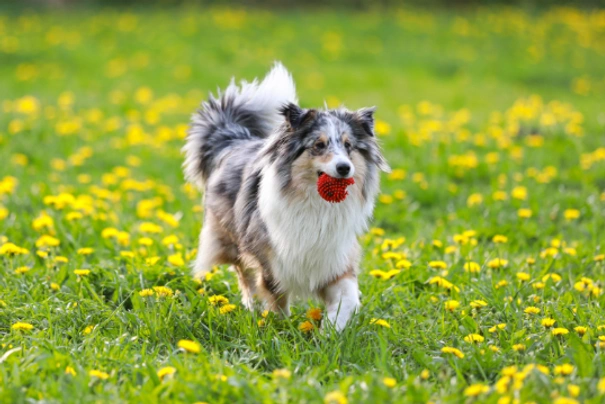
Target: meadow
x=483 y=273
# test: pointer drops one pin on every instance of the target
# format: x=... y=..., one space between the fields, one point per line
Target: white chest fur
x=313 y=240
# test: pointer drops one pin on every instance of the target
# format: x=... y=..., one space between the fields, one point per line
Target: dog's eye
x=347 y=145
x=320 y=145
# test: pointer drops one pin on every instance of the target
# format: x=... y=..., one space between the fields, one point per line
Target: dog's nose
x=343 y=169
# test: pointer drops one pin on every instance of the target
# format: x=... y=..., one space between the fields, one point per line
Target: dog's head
x=337 y=142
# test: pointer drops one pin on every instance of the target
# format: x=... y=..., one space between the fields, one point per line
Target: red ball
x=332 y=189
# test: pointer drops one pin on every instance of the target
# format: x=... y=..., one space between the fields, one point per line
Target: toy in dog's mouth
x=333 y=190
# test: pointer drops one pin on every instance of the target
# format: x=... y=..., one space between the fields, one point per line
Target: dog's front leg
x=342 y=300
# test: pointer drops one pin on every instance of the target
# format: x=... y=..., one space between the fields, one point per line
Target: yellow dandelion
x=176 y=260
x=281 y=374
x=472 y=267
x=189 y=346
x=477 y=304
x=454 y=351
x=306 y=326
x=218 y=299
x=524 y=213
x=571 y=214
x=314 y=314
x=163 y=291
x=548 y=322
x=499 y=239
x=497 y=263
x=380 y=322
x=560 y=331
x=581 y=330
x=564 y=370
x=85 y=251
x=451 y=305
x=438 y=264
x=166 y=372
x=98 y=374
x=475 y=390
x=21 y=326
x=146 y=292
x=228 y=308
x=531 y=310
x=335 y=397
x=82 y=272
x=389 y=382
x=472 y=338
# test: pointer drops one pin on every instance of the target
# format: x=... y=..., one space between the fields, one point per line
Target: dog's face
x=338 y=142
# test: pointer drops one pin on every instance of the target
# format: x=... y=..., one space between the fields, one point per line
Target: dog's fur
x=257 y=156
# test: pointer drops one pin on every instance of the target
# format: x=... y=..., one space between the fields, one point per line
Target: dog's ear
x=365 y=118
x=296 y=117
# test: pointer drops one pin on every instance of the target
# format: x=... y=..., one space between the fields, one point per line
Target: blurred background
x=477 y=55
x=130 y=73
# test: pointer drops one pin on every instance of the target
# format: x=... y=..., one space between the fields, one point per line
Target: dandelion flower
x=564 y=370
x=438 y=264
x=281 y=374
x=335 y=397
x=472 y=267
x=497 y=263
x=228 y=308
x=560 y=331
x=176 y=260
x=477 y=304
x=519 y=347
x=472 y=338
x=189 y=346
x=380 y=322
x=452 y=305
x=389 y=382
x=166 y=371
x=82 y=272
x=163 y=291
x=98 y=374
x=581 y=330
x=70 y=371
x=306 y=326
x=218 y=299
x=454 y=351
x=524 y=213
x=499 y=239
x=548 y=322
x=475 y=390
x=21 y=326
x=571 y=214
x=146 y=292
x=314 y=314
x=532 y=310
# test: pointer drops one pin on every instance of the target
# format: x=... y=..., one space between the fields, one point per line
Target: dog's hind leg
x=247 y=285
x=212 y=250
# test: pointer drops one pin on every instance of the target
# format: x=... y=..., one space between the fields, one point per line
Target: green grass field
x=482 y=277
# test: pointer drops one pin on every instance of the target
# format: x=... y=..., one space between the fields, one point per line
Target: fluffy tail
x=237 y=114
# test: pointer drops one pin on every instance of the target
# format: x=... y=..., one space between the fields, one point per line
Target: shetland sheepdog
x=257 y=157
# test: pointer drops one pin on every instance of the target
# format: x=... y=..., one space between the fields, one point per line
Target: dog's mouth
x=319 y=173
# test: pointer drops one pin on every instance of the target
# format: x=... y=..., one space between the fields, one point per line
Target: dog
x=257 y=156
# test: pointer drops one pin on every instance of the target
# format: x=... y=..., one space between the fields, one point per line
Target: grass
x=491 y=118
